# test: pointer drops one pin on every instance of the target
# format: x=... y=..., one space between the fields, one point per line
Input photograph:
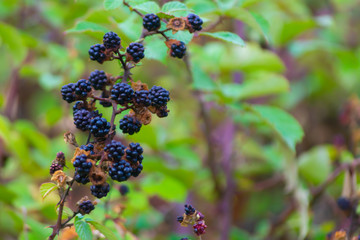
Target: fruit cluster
x=194 y=218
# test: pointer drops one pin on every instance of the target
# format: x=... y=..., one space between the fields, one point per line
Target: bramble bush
x=137 y=119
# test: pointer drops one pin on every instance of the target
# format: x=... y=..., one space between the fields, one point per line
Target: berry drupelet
x=99 y=126
x=120 y=171
x=135 y=51
x=195 y=22
x=151 y=22
x=68 y=92
x=159 y=96
x=111 y=41
x=100 y=191
x=82 y=88
x=82 y=119
x=86 y=207
x=178 y=50
x=142 y=99
x=134 y=153
x=55 y=167
x=98 y=79
x=97 y=53
x=122 y=93
x=189 y=210
x=114 y=150
x=129 y=125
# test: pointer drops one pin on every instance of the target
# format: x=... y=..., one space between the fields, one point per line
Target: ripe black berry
x=81 y=179
x=100 y=191
x=151 y=22
x=178 y=50
x=136 y=171
x=180 y=219
x=115 y=150
x=82 y=88
x=123 y=190
x=55 y=167
x=68 y=92
x=130 y=125
x=134 y=153
x=159 y=96
x=82 y=167
x=98 y=79
x=136 y=51
x=142 y=98
x=189 y=210
x=82 y=119
x=78 y=106
x=88 y=148
x=344 y=203
x=162 y=112
x=120 y=171
x=195 y=21
x=122 y=93
x=111 y=41
x=99 y=126
x=105 y=94
x=97 y=53
x=86 y=207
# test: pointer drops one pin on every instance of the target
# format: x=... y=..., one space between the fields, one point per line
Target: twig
x=133 y=9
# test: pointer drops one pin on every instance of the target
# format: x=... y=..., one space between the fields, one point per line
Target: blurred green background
x=250 y=131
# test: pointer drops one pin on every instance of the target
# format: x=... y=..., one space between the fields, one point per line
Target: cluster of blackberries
x=112 y=41
x=195 y=22
x=100 y=52
x=98 y=79
x=115 y=151
x=130 y=125
x=196 y=218
x=135 y=52
x=99 y=126
x=76 y=91
x=151 y=22
x=82 y=168
x=100 y=191
x=178 y=49
x=122 y=93
x=86 y=207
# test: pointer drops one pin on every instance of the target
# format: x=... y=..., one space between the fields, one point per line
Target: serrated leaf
x=104 y=230
x=148 y=7
x=83 y=229
x=46 y=189
x=83 y=26
x=288 y=129
x=111 y=4
x=173 y=6
x=226 y=36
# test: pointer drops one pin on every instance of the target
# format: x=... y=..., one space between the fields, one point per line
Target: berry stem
x=133 y=9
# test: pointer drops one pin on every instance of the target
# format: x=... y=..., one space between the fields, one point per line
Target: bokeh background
x=230 y=145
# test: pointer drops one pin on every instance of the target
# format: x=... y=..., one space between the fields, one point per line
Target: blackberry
x=55 y=167
x=344 y=203
x=151 y=22
x=81 y=179
x=105 y=94
x=115 y=150
x=136 y=171
x=134 y=153
x=122 y=93
x=159 y=96
x=178 y=50
x=82 y=119
x=189 y=210
x=142 y=98
x=130 y=125
x=78 y=106
x=195 y=21
x=86 y=207
x=82 y=88
x=111 y=41
x=88 y=148
x=136 y=51
x=82 y=165
x=68 y=92
x=123 y=189
x=97 y=53
x=100 y=191
x=120 y=171
x=99 y=126
x=162 y=112
x=199 y=228
x=180 y=219
x=98 y=79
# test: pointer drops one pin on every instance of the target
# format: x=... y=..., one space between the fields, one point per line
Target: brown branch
x=133 y=9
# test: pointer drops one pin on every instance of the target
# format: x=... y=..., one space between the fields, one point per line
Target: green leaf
x=12 y=38
x=47 y=188
x=226 y=36
x=83 y=26
x=183 y=36
x=83 y=229
x=111 y=4
x=7 y=195
x=104 y=230
x=156 y=49
x=173 y=6
x=270 y=84
x=202 y=80
x=294 y=28
x=148 y=7
x=165 y=15
x=287 y=128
